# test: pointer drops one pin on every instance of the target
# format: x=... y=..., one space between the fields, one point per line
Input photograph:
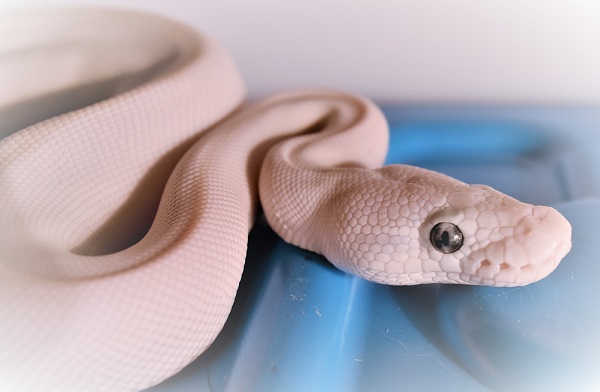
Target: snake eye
x=446 y=237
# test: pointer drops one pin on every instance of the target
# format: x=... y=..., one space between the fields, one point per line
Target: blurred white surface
x=398 y=51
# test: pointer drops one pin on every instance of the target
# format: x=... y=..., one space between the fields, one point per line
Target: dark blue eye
x=446 y=237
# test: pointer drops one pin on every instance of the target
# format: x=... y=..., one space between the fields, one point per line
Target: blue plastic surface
x=299 y=324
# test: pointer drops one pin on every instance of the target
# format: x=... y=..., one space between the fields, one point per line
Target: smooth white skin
x=96 y=296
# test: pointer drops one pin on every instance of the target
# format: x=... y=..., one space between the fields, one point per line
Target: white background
x=420 y=51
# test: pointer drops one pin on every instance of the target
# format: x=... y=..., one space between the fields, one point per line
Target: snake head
x=413 y=226
x=482 y=236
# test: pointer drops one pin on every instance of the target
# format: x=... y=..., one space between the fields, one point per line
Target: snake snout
x=545 y=238
x=540 y=238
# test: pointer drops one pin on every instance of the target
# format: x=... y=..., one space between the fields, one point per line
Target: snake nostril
x=526 y=225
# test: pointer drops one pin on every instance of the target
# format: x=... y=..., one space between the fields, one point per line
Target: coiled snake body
x=124 y=232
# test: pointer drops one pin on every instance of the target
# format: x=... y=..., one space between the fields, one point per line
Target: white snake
x=103 y=288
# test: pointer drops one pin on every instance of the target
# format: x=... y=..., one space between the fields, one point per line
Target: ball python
x=129 y=178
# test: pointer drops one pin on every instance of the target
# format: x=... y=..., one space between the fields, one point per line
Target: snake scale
x=129 y=179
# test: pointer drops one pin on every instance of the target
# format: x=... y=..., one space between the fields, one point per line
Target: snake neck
x=302 y=178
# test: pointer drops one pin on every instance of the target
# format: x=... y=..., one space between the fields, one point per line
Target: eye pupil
x=446 y=237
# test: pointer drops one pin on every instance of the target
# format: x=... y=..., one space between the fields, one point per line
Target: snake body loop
x=126 y=205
